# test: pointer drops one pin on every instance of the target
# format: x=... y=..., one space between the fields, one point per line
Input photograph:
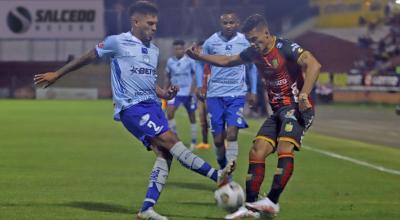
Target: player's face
x=146 y=26
x=229 y=24
x=260 y=39
x=179 y=51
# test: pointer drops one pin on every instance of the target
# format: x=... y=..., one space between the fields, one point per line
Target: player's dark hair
x=144 y=8
x=229 y=12
x=254 y=21
x=178 y=42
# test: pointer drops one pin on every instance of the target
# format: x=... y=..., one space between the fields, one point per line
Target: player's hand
x=307 y=118
x=306 y=110
x=201 y=94
x=46 y=79
x=171 y=92
x=252 y=99
x=304 y=102
x=193 y=52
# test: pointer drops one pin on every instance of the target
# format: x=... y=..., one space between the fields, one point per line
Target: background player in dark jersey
x=290 y=73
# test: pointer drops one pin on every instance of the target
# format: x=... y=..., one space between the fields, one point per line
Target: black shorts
x=286 y=124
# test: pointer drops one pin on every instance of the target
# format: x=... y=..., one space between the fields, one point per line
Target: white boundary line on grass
x=345 y=158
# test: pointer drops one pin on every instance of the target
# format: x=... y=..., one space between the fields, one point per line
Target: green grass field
x=70 y=160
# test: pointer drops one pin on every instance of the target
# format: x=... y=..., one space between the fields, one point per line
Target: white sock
x=194 y=133
x=192 y=161
x=172 y=125
x=232 y=150
x=158 y=178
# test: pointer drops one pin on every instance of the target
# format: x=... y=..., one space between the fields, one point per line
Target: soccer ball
x=229 y=197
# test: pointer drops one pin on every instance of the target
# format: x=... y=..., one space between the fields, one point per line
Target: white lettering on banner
x=385 y=80
x=354 y=79
x=43 y=19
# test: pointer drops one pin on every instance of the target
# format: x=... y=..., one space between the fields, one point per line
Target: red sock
x=255 y=177
x=282 y=176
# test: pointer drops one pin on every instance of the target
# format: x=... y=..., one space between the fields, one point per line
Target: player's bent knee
x=260 y=149
x=219 y=140
x=285 y=147
x=166 y=140
x=232 y=134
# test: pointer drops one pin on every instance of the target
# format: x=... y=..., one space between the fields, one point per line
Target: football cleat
x=243 y=212
x=150 y=214
x=224 y=174
x=265 y=206
x=202 y=146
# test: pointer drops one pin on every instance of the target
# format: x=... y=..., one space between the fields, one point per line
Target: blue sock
x=193 y=162
x=157 y=181
x=221 y=158
x=194 y=133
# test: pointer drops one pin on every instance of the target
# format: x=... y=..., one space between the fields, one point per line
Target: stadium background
x=357 y=42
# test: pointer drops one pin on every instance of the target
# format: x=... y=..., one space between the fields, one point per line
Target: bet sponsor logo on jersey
x=142 y=70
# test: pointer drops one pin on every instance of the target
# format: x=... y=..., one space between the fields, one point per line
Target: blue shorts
x=145 y=120
x=225 y=111
x=190 y=102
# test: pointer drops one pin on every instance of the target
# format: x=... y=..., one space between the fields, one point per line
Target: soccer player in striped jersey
x=290 y=73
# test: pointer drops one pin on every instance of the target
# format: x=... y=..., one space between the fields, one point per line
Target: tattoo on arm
x=78 y=63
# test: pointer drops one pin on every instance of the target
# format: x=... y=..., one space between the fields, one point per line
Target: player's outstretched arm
x=47 y=79
x=311 y=68
x=216 y=60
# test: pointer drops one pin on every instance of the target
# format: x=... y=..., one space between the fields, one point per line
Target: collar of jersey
x=137 y=39
x=226 y=40
x=273 y=46
x=176 y=59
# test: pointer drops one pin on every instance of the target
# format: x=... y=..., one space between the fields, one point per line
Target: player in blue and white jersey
x=180 y=70
x=134 y=61
x=227 y=88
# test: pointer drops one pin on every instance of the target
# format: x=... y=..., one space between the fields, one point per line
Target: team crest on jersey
x=145 y=50
x=275 y=63
x=146 y=58
x=290 y=114
x=228 y=47
x=289 y=127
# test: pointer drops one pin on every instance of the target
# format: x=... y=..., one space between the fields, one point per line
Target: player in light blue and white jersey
x=180 y=70
x=227 y=88
x=134 y=61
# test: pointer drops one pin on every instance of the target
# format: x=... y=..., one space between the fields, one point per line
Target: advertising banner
x=51 y=19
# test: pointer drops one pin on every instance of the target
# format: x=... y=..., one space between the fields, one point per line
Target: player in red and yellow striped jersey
x=290 y=73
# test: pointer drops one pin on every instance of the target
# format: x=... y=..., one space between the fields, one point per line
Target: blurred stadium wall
x=355 y=40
